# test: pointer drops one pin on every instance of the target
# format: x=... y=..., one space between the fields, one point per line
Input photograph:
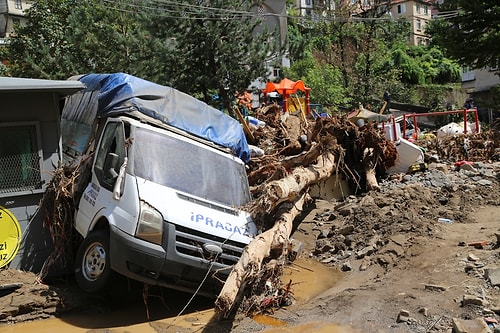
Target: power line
x=192 y=12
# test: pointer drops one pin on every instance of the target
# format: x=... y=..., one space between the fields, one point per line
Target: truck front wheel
x=93 y=269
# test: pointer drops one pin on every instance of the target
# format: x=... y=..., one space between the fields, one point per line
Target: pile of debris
x=292 y=153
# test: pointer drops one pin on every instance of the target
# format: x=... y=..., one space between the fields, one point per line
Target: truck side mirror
x=110 y=165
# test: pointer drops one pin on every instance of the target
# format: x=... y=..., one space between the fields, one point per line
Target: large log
x=287 y=188
x=249 y=265
x=288 y=195
x=369 y=165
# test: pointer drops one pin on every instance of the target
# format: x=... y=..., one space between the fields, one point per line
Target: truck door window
x=112 y=146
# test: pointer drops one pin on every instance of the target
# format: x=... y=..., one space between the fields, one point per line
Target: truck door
x=98 y=194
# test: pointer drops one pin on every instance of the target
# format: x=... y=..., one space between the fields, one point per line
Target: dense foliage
x=367 y=50
x=203 y=50
x=344 y=53
x=468 y=30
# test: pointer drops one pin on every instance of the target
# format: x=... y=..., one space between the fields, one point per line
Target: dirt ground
x=425 y=276
x=402 y=270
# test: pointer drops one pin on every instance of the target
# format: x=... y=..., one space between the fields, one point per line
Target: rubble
x=374 y=228
x=362 y=226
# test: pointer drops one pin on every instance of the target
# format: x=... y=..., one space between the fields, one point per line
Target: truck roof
x=121 y=93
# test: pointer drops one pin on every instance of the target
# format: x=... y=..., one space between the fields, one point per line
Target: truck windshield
x=189 y=168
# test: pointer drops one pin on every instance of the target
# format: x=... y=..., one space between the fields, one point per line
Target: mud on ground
x=403 y=271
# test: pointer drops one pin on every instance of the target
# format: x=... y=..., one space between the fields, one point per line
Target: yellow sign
x=10 y=236
x=296 y=104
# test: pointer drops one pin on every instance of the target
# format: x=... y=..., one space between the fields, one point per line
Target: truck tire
x=93 y=271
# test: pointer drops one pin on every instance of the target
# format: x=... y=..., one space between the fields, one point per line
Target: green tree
x=420 y=65
x=40 y=49
x=468 y=31
x=323 y=79
x=217 y=47
x=358 y=42
x=67 y=37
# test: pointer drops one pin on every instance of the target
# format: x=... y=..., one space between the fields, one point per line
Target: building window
x=418 y=8
x=20 y=158
x=308 y=2
x=18 y=4
x=419 y=25
x=276 y=71
x=402 y=8
x=468 y=74
x=426 y=10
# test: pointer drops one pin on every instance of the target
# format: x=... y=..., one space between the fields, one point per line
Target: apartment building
x=11 y=15
x=418 y=13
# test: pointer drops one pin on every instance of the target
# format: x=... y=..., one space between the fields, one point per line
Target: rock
x=493 y=276
x=323 y=234
x=435 y=287
x=424 y=311
x=477 y=325
x=328 y=260
x=469 y=268
x=364 y=264
x=346 y=230
x=346 y=266
x=484 y=182
x=473 y=300
x=365 y=252
x=323 y=246
x=367 y=201
x=472 y=257
x=468 y=167
x=347 y=209
x=403 y=316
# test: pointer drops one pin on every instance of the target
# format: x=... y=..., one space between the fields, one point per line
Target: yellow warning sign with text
x=10 y=236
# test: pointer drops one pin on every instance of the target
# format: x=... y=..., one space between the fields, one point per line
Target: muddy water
x=312 y=327
x=129 y=315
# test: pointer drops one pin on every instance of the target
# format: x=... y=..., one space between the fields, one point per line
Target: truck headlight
x=150 y=227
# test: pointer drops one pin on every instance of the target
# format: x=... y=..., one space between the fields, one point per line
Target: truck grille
x=190 y=242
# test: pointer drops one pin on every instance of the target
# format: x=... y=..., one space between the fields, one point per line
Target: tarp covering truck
x=166 y=181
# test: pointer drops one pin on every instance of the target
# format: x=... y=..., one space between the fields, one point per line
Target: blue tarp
x=121 y=93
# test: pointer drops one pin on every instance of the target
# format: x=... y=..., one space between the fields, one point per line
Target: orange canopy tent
x=286 y=87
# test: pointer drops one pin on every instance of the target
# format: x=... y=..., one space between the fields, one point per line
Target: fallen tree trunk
x=286 y=189
x=249 y=265
x=306 y=158
x=370 y=174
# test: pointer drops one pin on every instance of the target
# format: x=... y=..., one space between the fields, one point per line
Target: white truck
x=162 y=202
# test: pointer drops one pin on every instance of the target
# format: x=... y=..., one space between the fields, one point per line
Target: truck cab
x=160 y=205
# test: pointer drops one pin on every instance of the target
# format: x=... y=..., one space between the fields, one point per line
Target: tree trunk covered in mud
x=288 y=195
x=249 y=265
x=287 y=188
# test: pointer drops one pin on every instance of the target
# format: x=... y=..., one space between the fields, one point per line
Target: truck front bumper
x=163 y=265
x=130 y=255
